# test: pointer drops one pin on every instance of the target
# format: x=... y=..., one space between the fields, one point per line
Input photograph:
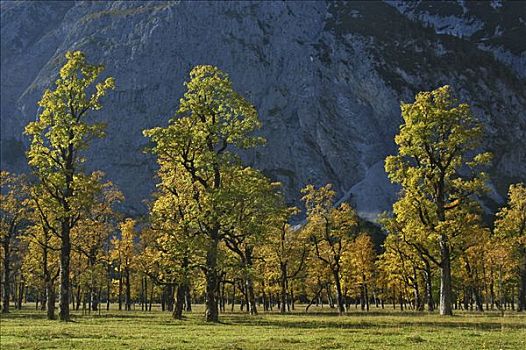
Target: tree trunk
x=84 y=302
x=467 y=295
x=292 y=300
x=429 y=287
x=512 y=295
x=128 y=288
x=151 y=297
x=65 y=255
x=50 y=302
x=264 y=297
x=491 y=288
x=78 y=297
x=445 y=278
x=522 y=282
x=478 y=299
x=212 y=314
x=7 y=274
x=362 y=297
x=283 y=285
x=21 y=289
x=221 y=297
x=120 y=289
x=94 y=300
x=330 y=300
x=250 y=283
x=43 y=300
x=179 y=302
x=501 y=291
x=50 y=290
x=108 y=289
x=169 y=296
x=366 y=294
x=146 y=293
x=419 y=306
x=233 y=295
x=141 y=296
x=339 y=296
x=313 y=299
x=245 y=295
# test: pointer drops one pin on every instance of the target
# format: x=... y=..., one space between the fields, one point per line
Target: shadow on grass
x=22 y=315
x=360 y=313
x=356 y=323
x=79 y=317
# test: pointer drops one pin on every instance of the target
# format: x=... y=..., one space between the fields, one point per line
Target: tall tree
x=511 y=224
x=211 y=120
x=437 y=166
x=59 y=136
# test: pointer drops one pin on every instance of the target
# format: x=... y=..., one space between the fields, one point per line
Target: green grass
x=379 y=329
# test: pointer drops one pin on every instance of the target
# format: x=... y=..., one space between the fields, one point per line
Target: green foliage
x=13 y=200
x=437 y=144
x=438 y=137
x=193 y=151
x=330 y=228
x=61 y=133
x=511 y=220
x=61 y=124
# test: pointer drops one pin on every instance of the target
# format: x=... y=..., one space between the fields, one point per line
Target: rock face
x=326 y=78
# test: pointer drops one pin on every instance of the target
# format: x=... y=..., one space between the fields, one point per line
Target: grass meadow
x=319 y=329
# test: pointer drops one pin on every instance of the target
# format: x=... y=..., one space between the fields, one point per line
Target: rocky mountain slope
x=326 y=78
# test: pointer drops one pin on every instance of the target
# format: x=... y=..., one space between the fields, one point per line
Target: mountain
x=326 y=77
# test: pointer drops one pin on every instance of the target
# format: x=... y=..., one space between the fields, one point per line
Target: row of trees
x=220 y=232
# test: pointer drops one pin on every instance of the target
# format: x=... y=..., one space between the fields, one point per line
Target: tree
x=42 y=264
x=511 y=224
x=123 y=254
x=172 y=249
x=91 y=236
x=12 y=214
x=318 y=277
x=361 y=260
x=58 y=138
x=401 y=263
x=437 y=166
x=248 y=200
x=331 y=230
x=42 y=260
x=194 y=150
x=286 y=250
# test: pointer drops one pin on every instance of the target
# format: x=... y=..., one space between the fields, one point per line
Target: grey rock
x=326 y=78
